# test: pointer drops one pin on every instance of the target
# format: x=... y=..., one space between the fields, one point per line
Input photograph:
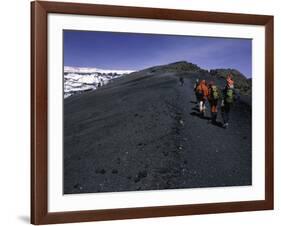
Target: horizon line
x=135 y=70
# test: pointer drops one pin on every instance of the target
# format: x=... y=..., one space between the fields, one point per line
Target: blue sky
x=131 y=51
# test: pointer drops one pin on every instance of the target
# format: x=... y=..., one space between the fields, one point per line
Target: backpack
x=229 y=95
x=195 y=87
x=215 y=93
x=199 y=92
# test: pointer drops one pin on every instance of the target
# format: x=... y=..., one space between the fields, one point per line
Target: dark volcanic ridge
x=180 y=66
x=242 y=83
x=143 y=132
x=183 y=68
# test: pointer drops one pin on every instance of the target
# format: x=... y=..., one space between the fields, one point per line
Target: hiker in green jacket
x=229 y=96
x=213 y=98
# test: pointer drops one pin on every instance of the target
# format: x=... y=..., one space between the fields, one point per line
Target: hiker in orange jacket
x=213 y=97
x=202 y=93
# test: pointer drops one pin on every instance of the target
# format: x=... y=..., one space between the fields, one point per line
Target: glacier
x=82 y=79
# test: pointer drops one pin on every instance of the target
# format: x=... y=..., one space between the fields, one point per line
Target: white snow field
x=82 y=79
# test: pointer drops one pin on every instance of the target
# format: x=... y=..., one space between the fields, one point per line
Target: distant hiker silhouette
x=181 y=81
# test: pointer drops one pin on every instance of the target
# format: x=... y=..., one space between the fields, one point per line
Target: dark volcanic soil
x=142 y=132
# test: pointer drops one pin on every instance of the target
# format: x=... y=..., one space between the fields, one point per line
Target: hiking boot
x=214 y=117
x=225 y=125
x=202 y=114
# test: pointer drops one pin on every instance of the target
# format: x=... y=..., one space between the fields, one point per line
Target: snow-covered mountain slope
x=87 y=70
x=81 y=79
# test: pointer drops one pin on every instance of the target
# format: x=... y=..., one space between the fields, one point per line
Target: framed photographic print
x=147 y=112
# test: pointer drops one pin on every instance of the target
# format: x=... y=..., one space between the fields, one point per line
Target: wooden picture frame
x=39 y=112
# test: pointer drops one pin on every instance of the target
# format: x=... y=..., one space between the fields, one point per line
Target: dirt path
x=209 y=155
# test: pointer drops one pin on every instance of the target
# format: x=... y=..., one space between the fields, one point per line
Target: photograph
x=155 y=111
x=143 y=112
